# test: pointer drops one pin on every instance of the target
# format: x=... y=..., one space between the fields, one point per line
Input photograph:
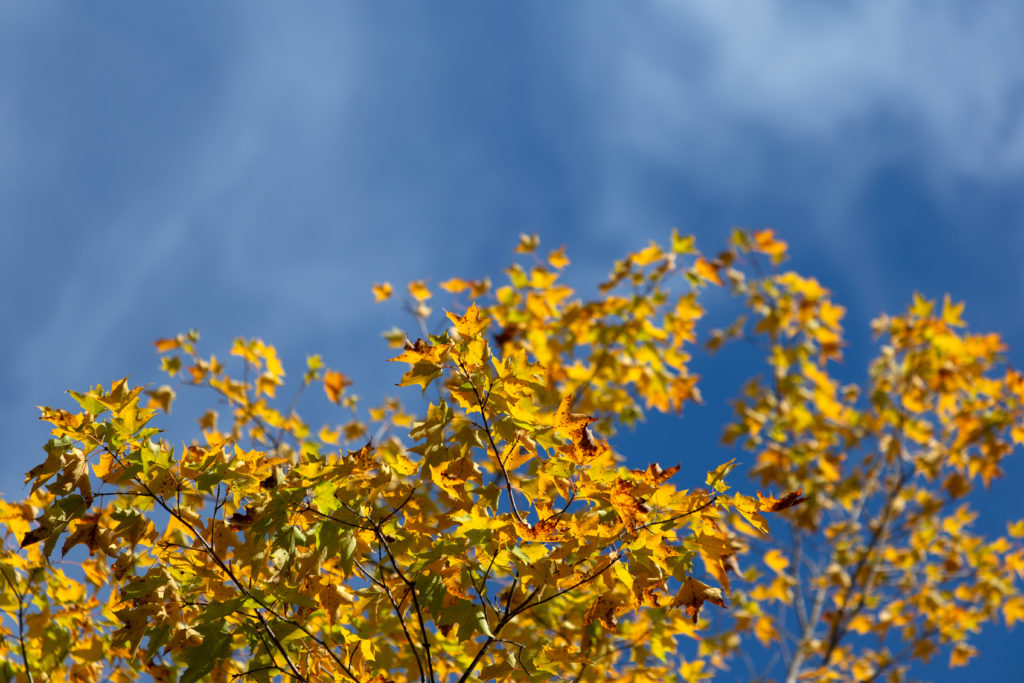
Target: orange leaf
x=334 y=384
x=706 y=270
x=770 y=504
x=654 y=475
x=163 y=345
x=694 y=594
x=765 y=242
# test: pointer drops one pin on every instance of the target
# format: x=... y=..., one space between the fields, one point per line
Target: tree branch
x=494 y=447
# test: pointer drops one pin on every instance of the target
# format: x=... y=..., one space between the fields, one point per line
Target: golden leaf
x=418 y=290
x=558 y=259
x=707 y=271
x=382 y=291
x=470 y=324
x=605 y=609
x=334 y=384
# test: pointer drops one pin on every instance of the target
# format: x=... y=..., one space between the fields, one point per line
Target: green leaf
x=89 y=403
x=216 y=609
x=215 y=647
x=347 y=552
x=469 y=617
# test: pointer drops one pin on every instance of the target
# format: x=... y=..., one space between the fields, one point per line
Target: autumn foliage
x=482 y=527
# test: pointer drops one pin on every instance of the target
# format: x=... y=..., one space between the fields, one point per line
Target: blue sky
x=249 y=168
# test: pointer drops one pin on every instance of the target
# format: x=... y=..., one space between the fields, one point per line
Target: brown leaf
x=605 y=609
x=654 y=475
x=694 y=594
x=241 y=520
x=86 y=532
x=334 y=384
x=770 y=504
x=631 y=507
x=35 y=536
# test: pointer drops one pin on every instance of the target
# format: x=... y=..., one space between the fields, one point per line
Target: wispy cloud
x=799 y=106
x=950 y=70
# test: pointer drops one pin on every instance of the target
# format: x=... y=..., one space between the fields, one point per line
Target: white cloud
x=808 y=101
x=812 y=71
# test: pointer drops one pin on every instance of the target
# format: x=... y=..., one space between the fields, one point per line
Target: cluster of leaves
x=883 y=568
x=495 y=533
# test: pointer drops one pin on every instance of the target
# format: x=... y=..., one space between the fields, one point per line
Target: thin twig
x=494 y=447
x=411 y=585
x=21 y=625
x=176 y=513
x=401 y=622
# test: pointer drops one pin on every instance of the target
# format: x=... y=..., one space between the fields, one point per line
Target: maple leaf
x=771 y=504
x=382 y=291
x=693 y=594
x=707 y=271
x=161 y=398
x=87 y=532
x=419 y=291
x=766 y=243
x=631 y=507
x=748 y=507
x=558 y=259
x=470 y=324
x=414 y=352
x=569 y=424
x=605 y=608
x=135 y=622
x=483 y=521
x=654 y=475
x=334 y=384
x=527 y=243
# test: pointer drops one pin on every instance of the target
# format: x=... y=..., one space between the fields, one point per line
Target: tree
x=495 y=533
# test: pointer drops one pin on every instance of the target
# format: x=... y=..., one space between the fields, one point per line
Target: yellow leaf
x=776 y=561
x=707 y=271
x=1013 y=610
x=960 y=654
x=765 y=631
x=328 y=435
x=469 y=325
x=1015 y=529
x=921 y=307
x=685 y=244
x=655 y=475
x=527 y=243
x=748 y=507
x=418 y=290
x=381 y=291
x=161 y=398
x=454 y=285
x=558 y=259
x=951 y=312
x=605 y=609
x=648 y=255
x=631 y=507
x=765 y=242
